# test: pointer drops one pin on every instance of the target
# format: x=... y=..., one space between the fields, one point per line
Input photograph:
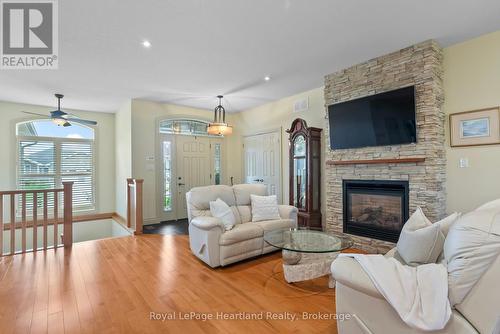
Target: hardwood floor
x=112 y=285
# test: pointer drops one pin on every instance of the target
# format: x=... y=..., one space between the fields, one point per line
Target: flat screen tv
x=378 y=120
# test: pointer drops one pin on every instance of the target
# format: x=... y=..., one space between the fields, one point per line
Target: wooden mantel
x=377 y=161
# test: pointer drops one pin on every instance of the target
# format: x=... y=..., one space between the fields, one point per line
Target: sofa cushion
x=264 y=208
x=200 y=197
x=271 y=225
x=241 y=232
x=245 y=212
x=242 y=192
x=490 y=205
x=420 y=241
x=198 y=200
x=471 y=246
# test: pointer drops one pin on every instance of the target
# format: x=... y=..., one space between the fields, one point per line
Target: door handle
x=258 y=180
x=181 y=184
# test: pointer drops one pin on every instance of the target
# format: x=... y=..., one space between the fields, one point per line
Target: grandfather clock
x=305 y=173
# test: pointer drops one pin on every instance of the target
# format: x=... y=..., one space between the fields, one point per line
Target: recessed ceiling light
x=267 y=78
x=146 y=44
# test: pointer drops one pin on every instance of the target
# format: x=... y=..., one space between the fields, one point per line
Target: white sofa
x=207 y=236
x=355 y=294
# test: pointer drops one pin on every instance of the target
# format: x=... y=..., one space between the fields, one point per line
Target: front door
x=193 y=168
x=262 y=154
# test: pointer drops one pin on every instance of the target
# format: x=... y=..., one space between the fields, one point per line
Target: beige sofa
x=355 y=294
x=207 y=237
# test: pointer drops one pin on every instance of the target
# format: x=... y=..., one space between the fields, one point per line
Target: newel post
x=138 y=206
x=129 y=204
x=68 y=214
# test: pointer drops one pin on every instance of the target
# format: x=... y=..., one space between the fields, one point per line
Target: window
x=49 y=155
x=185 y=127
x=217 y=163
x=167 y=175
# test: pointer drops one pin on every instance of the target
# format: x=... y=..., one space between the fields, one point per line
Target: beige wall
x=123 y=155
x=472 y=81
x=145 y=118
x=279 y=114
x=10 y=114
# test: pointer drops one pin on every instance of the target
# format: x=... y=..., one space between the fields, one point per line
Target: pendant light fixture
x=219 y=126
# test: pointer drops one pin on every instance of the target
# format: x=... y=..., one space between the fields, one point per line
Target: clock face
x=299 y=146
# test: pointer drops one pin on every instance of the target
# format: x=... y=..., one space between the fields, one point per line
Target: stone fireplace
x=422 y=165
x=375 y=209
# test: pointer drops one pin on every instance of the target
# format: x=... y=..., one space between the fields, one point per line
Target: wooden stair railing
x=134 y=205
x=39 y=198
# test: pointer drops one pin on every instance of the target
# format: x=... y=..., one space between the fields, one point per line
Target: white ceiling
x=202 y=48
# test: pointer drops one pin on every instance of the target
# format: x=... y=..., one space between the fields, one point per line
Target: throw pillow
x=264 y=208
x=446 y=223
x=219 y=209
x=420 y=241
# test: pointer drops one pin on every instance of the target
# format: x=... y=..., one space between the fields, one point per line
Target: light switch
x=463 y=163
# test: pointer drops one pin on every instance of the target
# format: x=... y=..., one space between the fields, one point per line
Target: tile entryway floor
x=172 y=227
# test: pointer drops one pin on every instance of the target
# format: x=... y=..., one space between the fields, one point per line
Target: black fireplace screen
x=376 y=209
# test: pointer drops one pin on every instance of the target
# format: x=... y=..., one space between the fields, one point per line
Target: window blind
x=77 y=166
x=45 y=164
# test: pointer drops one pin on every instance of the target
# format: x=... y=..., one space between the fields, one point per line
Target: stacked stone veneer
x=419 y=65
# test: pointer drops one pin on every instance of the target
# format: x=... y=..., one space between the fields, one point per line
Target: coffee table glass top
x=307 y=241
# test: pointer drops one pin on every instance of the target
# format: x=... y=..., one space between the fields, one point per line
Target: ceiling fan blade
x=81 y=121
x=33 y=113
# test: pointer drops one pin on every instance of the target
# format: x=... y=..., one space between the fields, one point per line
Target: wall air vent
x=301 y=105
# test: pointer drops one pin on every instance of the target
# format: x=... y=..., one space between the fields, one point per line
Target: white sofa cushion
x=271 y=225
x=241 y=232
x=198 y=199
x=420 y=241
x=471 y=246
x=264 y=208
x=490 y=205
x=245 y=212
x=242 y=192
x=219 y=209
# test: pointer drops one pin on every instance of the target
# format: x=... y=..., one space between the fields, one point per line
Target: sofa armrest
x=349 y=272
x=288 y=212
x=207 y=223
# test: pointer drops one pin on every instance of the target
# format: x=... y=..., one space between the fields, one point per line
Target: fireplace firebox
x=375 y=209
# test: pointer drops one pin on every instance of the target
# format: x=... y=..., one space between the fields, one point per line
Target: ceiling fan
x=62 y=118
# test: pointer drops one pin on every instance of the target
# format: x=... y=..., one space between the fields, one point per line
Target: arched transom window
x=185 y=127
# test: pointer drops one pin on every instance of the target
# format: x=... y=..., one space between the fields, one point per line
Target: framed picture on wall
x=476 y=127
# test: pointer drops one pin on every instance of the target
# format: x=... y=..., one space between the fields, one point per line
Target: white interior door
x=262 y=154
x=193 y=168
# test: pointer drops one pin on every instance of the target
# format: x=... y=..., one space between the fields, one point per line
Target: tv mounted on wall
x=377 y=120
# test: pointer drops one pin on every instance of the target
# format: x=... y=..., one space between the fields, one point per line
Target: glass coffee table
x=307 y=254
